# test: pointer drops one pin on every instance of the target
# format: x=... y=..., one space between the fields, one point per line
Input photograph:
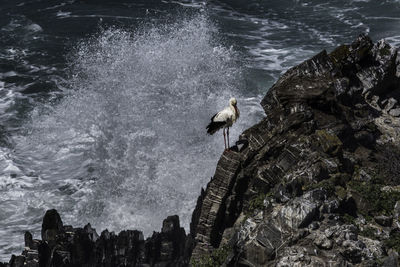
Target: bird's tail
x=214 y=126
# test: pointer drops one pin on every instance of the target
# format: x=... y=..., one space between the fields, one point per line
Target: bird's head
x=233 y=101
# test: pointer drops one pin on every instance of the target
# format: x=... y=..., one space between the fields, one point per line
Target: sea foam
x=126 y=145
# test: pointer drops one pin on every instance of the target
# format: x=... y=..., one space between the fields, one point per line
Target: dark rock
x=312 y=159
x=213 y=205
x=28 y=240
x=44 y=255
x=68 y=246
x=365 y=138
x=330 y=143
x=51 y=226
x=170 y=224
x=392 y=260
x=92 y=234
x=270 y=238
x=384 y=220
x=389 y=103
x=300 y=188
x=17 y=261
x=322 y=242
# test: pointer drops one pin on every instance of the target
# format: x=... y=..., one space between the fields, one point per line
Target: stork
x=224 y=119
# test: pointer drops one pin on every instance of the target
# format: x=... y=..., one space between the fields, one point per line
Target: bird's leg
x=224 y=138
x=227 y=133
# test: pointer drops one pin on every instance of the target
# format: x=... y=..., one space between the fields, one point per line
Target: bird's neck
x=235 y=110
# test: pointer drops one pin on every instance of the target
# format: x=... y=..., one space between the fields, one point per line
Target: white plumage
x=224 y=119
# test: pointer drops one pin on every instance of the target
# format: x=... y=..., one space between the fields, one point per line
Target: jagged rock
x=260 y=246
x=373 y=249
x=298 y=214
x=330 y=143
x=352 y=250
x=396 y=215
x=301 y=211
x=213 y=205
x=298 y=256
x=28 y=240
x=384 y=220
x=70 y=246
x=392 y=260
x=315 y=158
x=389 y=103
x=395 y=112
x=300 y=188
x=323 y=242
x=51 y=227
x=17 y=261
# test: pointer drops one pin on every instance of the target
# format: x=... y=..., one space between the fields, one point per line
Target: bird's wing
x=223 y=115
x=218 y=121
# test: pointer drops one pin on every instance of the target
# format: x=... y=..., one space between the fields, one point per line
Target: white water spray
x=127 y=145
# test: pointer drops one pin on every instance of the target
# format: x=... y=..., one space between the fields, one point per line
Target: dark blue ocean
x=103 y=104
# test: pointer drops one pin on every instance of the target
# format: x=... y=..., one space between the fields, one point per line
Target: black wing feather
x=214 y=125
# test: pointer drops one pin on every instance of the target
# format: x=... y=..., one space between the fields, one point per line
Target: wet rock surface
x=63 y=245
x=315 y=183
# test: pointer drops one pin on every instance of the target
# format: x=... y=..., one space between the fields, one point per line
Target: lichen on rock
x=316 y=183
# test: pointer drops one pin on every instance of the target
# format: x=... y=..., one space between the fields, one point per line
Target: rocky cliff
x=315 y=183
x=63 y=245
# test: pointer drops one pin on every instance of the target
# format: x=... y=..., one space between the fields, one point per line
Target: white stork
x=224 y=119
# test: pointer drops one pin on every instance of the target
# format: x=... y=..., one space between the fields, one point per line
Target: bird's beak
x=235 y=109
